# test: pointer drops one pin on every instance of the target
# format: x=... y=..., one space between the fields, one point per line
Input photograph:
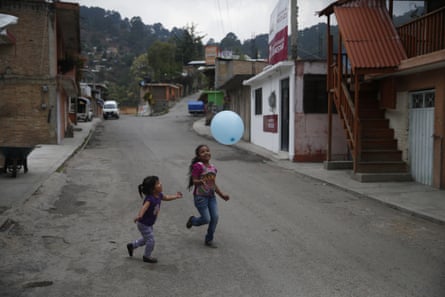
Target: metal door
x=285 y=115
x=421 y=130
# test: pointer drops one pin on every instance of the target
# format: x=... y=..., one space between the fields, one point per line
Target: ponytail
x=194 y=160
x=148 y=185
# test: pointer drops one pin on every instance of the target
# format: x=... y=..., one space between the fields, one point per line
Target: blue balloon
x=227 y=127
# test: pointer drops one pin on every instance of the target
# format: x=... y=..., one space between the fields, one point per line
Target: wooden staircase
x=371 y=141
x=379 y=159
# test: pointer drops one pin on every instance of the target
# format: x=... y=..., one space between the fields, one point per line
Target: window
x=315 y=97
x=423 y=99
x=259 y=101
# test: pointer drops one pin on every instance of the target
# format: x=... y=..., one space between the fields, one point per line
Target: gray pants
x=147 y=239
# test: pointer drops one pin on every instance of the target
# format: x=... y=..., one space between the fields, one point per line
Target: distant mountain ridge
x=102 y=29
x=111 y=43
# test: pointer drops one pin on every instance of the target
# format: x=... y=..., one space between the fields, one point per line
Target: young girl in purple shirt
x=151 y=190
x=202 y=178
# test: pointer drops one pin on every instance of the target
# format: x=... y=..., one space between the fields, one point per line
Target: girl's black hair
x=148 y=185
x=194 y=160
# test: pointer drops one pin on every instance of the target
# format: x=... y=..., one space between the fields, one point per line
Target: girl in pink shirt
x=202 y=178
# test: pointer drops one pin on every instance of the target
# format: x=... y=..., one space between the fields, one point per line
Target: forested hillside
x=121 y=52
x=112 y=43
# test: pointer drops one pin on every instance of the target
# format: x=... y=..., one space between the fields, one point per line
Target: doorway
x=285 y=115
x=421 y=130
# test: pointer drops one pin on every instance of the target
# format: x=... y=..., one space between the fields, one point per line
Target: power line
x=221 y=17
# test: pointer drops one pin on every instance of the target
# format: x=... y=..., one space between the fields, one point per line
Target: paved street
x=281 y=234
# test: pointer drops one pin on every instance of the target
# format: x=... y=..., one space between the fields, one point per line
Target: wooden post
x=356 y=120
x=328 y=89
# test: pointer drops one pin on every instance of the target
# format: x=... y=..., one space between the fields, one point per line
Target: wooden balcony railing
x=425 y=34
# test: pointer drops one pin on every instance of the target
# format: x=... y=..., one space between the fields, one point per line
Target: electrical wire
x=221 y=22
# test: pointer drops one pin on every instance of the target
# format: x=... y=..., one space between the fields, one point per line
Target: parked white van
x=110 y=110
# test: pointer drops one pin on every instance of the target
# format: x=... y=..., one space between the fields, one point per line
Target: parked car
x=196 y=107
x=110 y=110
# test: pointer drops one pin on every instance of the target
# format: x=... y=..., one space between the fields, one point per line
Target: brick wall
x=29 y=56
x=26 y=116
x=227 y=69
x=23 y=122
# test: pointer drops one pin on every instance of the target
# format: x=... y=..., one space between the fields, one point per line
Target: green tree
x=137 y=34
x=232 y=43
x=189 y=45
x=140 y=68
x=161 y=58
x=117 y=92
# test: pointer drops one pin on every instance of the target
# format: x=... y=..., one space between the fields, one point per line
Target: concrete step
x=382 y=167
x=381 y=177
x=379 y=144
x=371 y=113
x=380 y=155
x=378 y=133
x=370 y=124
x=337 y=165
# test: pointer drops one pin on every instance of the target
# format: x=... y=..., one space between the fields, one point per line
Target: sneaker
x=189 y=222
x=149 y=259
x=210 y=244
x=130 y=249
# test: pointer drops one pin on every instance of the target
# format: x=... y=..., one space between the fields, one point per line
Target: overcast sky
x=212 y=18
x=215 y=18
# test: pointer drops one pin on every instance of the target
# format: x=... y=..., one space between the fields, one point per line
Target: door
x=285 y=116
x=421 y=130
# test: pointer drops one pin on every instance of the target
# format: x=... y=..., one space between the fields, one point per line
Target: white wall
x=269 y=81
x=399 y=121
x=308 y=133
x=85 y=89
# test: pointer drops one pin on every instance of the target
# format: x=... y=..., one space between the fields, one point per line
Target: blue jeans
x=147 y=239
x=208 y=209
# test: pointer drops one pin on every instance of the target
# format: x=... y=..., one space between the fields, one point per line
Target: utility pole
x=294 y=28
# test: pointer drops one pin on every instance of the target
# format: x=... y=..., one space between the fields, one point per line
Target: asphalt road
x=281 y=234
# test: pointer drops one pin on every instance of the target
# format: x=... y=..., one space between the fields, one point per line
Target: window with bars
x=422 y=99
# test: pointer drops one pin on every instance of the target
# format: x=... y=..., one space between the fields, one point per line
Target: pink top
x=208 y=175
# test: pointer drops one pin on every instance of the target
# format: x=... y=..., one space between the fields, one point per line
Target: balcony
x=425 y=34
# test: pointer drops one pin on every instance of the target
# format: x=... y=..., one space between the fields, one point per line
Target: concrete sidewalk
x=411 y=197
x=44 y=160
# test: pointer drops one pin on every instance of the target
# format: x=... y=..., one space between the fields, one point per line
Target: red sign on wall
x=278 y=32
x=270 y=123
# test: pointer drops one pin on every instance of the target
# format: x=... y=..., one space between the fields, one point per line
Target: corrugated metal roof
x=330 y=8
x=370 y=38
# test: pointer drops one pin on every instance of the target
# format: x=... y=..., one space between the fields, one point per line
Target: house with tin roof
x=387 y=83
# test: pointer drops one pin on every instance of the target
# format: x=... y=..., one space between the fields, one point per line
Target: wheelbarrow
x=15 y=159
